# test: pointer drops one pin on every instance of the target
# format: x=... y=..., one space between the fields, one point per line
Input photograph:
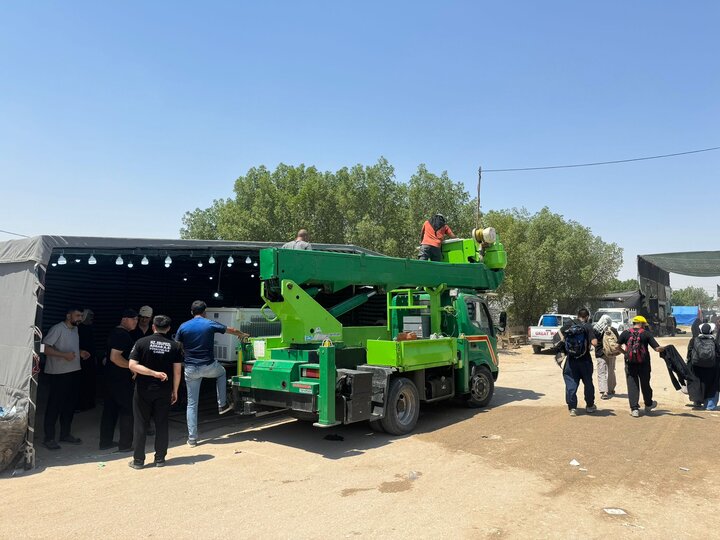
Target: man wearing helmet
x=635 y=344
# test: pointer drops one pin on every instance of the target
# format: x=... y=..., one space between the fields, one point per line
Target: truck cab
x=621 y=317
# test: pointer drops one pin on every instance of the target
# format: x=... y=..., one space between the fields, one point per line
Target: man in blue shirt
x=198 y=339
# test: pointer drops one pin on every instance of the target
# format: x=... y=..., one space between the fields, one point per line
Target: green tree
x=363 y=205
x=691 y=296
x=616 y=285
x=551 y=262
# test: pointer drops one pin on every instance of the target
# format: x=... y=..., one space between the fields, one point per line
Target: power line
x=602 y=162
x=14 y=233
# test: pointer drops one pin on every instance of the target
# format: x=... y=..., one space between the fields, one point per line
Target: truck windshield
x=616 y=316
x=550 y=320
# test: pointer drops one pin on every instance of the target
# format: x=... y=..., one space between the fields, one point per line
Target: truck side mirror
x=502 y=323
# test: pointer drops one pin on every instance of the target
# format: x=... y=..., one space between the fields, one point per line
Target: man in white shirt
x=62 y=373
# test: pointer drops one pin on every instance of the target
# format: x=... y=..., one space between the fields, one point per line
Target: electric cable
x=601 y=162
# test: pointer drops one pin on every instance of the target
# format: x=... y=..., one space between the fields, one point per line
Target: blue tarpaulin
x=685 y=315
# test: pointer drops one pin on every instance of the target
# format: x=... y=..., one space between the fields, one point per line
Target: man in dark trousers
x=635 y=344
x=579 y=366
x=62 y=373
x=157 y=362
x=119 y=386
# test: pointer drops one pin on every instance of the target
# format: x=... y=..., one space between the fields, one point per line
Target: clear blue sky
x=116 y=119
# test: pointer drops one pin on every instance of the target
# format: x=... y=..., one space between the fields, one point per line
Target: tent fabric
x=689 y=263
x=22 y=271
x=685 y=315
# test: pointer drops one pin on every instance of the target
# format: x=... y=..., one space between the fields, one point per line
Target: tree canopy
x=691 y=296
x=551 y=261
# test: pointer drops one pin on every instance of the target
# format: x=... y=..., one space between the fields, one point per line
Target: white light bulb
x=252 y=275
x=119 y=261
x=77 y=260
x=199 y=264
x=248 y=260
x=184 y=279
x=53 y=264
x=211 y=260
x=167 y=265
x=211 y=278
x=254 y=264
x=130 y=264
x=62 y=259
x=168 y=260
x=144 y=261
x=229 y=265
x=231 y=260
x=92 y=260
x=216 y=294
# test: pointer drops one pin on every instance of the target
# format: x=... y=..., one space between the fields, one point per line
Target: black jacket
x=676 y=366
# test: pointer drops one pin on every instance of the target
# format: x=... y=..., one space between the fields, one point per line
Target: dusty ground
x=499 y=473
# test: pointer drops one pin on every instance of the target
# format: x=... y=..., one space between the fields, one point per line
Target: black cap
x=129 y=314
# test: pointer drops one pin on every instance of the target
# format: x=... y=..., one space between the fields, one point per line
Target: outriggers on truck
x=436 y=341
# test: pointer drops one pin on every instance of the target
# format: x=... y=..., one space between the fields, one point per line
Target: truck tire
x=482 y=387
x=536 y=349
x=402 y=407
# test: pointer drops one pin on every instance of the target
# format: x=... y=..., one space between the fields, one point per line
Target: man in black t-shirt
x=119 y=387
x=638 y=372
x=580 y=368
x=157 y=361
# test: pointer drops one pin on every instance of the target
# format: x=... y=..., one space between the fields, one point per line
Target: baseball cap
x=129 y=314
x=145 y=311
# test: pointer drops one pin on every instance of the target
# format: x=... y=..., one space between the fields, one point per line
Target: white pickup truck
x=548 y=325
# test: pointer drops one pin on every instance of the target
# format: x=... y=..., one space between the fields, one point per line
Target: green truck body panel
x=412 y=354
x=305 y=367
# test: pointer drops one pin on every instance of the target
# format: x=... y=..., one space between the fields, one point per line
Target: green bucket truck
x=435 y=339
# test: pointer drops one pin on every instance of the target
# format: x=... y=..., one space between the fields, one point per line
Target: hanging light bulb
x=119 y=261
x=92 y=260
x=167 y=265
x=216 y=294
x=61 y=259
x=144 y=261
x=252 y=275
x=130 y=264
x=211 y=278
x=255 y=264
x=184 y=279
x=77 y=260
x=168 y=260
x=53 y=264
x=199 y=264
x=248 y=260
x=229 y=265
x=231 y=260
x=211 y=260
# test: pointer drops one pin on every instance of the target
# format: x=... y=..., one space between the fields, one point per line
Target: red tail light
x=310 y=373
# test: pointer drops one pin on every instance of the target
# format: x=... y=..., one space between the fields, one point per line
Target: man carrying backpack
x=703 y=355
x=635 y=345
x=576 y=341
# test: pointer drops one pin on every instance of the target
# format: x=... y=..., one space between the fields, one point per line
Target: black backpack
x=703 y=351
x=576 y=341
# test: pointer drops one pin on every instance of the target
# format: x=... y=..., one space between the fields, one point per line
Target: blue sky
x=116 y=119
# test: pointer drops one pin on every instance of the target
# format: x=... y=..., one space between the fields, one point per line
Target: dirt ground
x=503 y=472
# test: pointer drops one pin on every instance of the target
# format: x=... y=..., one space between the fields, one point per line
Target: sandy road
x=497 y=473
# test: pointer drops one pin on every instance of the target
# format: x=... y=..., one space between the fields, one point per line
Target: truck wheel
x=482 y=387
x=402 y=407
x=376 y=426
x=536 y=349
